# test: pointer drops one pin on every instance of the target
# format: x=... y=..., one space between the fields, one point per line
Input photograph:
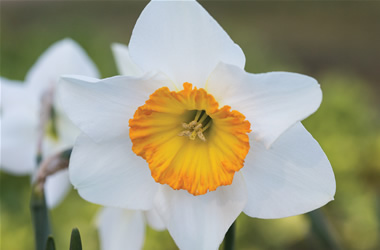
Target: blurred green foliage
x=335 y=43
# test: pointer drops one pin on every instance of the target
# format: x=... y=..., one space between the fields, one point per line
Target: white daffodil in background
x=120 y=228
x=124 y=229
x=20 y=115
x=195 y=136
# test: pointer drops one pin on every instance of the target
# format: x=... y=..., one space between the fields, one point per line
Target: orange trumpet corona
x=188 y=141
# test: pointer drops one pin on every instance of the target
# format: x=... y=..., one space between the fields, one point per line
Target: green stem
x=229 y=239
x=39 y=213
x=40 y=218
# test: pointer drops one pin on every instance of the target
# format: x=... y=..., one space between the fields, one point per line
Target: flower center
x=196 y=127
x=188 y=141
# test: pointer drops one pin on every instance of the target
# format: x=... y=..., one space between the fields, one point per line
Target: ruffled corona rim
x=188 y=141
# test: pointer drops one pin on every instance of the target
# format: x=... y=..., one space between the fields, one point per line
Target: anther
x=201 y=136
x=185 y=133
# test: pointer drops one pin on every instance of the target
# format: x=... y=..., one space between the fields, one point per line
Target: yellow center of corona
x=188 y=141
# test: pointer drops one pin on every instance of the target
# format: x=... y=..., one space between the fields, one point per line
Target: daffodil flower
x=20 y=114
x=120 y=228
x=195 y=136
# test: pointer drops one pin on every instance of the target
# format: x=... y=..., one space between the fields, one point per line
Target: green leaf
x=323 y=230
x=75 y=242
x=50 y=245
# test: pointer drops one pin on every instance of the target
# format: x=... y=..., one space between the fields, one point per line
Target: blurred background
x=336 y=42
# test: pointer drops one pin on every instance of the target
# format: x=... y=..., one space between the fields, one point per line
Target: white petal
x=56 y=188
x=18 y=128
x=110 y=174
x=293 y=177
x=182 y=40
x=15 y=97
x=154 y=220
x=200 y=222
x=121 y=229
x=124 y=63
x=67 y=131
x=18 y=142
x=11 y=93
x=102 y=108
x=63 y=57
x=272 y=102
x=8 y=82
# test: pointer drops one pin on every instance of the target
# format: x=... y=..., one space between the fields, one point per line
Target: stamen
x=185 y=133
x=199 y=112
x=195 y=128
x=207 y=126
x=201 y=136
x=198 y=126
x=204 y=116
x=193 y=135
